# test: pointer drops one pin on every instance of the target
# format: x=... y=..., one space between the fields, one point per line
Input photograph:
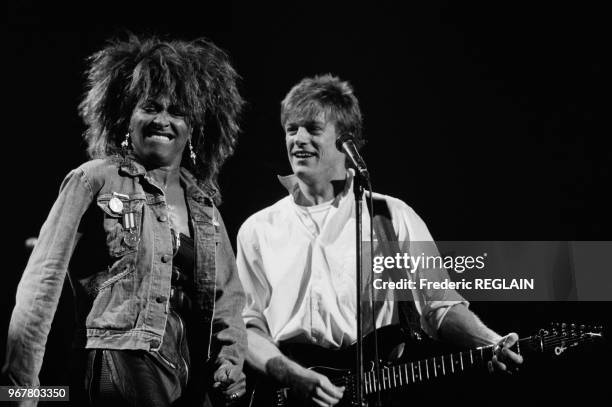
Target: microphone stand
x=358 y=188
x=346 y=144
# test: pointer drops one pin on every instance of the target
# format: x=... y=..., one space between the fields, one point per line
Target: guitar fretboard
x=422 y=370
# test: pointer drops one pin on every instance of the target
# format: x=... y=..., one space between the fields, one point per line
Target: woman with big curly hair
x=137 y=230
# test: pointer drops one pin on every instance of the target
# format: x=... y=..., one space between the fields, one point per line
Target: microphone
x=345 y=144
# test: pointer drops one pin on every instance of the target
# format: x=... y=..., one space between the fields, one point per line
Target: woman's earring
x=192 y=153
x=126 y=142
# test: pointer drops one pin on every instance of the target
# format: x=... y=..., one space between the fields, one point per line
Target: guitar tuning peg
x=563 y=325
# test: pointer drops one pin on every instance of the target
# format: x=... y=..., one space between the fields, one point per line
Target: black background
x=487 y=118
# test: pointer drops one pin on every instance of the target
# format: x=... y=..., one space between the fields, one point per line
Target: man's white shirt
x=297 y=267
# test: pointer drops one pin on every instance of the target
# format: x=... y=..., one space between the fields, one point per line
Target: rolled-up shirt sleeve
x=254 y=281
x=413 y=234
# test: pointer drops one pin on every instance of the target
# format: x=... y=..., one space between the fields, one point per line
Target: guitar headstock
x=561 y=336
x=575 y=330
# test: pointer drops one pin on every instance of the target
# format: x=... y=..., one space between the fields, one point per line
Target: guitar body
x=337 y=365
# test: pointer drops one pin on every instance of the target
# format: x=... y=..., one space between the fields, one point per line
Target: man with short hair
x=296 y=258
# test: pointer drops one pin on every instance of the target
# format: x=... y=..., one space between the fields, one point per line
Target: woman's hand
x=230 y=381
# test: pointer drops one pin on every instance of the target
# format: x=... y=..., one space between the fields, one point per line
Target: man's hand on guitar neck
x=462 y=327
x=504 y=359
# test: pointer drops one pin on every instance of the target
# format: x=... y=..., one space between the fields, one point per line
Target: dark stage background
x=487 y=118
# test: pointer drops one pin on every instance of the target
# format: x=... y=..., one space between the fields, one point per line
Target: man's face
x=311 y=147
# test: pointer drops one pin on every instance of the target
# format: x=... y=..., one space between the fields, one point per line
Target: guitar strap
x=383 y=228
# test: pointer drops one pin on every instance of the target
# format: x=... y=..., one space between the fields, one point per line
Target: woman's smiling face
x=159 y=132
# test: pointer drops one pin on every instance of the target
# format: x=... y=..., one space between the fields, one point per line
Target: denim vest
x=109 y=229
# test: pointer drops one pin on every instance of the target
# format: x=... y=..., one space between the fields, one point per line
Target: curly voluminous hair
x=195 y=75
x=328 y=94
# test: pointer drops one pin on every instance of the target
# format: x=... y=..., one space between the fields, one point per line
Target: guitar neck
x=423 y=370
x=426 y=369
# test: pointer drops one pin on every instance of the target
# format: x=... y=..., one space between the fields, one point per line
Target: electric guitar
x=338 y=365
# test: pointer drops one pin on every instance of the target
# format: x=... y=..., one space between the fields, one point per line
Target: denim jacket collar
x=131 y=167
x=199 y=190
